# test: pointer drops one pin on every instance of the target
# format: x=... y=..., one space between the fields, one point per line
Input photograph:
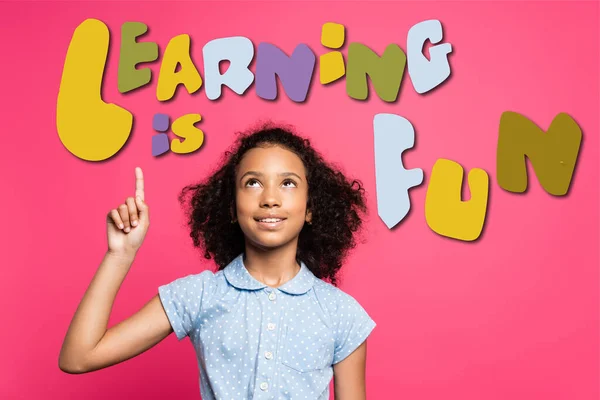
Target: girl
x=278 y=221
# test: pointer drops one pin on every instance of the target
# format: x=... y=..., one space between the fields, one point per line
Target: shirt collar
x=237 y=275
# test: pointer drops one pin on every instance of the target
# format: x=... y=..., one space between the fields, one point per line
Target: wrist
x=121 y=255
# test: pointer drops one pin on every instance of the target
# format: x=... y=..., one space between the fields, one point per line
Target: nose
x=270 y=197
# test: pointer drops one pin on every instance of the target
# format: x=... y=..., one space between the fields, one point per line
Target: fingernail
x=121 y=226
x=127 y=229
x=134 y=223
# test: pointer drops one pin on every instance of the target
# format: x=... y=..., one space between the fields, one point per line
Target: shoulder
x=203 y=277
x=205 y=282
x=334 y=299
x=350 y=321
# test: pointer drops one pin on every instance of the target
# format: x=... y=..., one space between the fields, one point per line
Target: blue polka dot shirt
x=255 y=342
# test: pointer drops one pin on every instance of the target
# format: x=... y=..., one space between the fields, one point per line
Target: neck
x=273 y=267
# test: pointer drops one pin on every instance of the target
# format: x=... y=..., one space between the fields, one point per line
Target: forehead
x=273 y=159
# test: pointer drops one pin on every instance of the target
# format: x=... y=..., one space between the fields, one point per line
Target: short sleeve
x=182 y=300
x=353 y=326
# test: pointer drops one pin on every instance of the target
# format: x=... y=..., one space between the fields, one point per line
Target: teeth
x=270 y=220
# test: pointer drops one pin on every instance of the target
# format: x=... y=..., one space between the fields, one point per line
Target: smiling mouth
x=270 y=223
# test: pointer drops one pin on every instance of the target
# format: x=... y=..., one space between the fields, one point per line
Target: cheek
x=297 y=203
x=242 y=203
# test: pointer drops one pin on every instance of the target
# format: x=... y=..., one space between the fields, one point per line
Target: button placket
x=272 y=296
x=267 y=367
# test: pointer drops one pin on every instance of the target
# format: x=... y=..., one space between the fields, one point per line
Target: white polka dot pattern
x=257 y=342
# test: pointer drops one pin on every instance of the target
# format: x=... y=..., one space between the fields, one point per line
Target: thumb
x=142 y=207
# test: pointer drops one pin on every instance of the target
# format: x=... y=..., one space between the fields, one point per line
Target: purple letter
x=295 y=72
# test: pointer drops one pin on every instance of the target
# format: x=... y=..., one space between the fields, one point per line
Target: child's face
x=271 y=183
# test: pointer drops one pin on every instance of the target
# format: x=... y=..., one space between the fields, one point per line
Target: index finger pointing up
x=139 y=183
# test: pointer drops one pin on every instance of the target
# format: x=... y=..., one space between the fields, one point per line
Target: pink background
x=511 y=316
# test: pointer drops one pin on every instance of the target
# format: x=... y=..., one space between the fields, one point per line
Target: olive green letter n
x=386 y=72
x=553 y=154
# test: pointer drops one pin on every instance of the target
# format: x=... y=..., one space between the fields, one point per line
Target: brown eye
x=250 y=181
x=289 y=181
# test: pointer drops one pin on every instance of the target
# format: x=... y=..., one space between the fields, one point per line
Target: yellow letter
x=177 y=52
x=87 y=126
x=445 y=212
x=332 y=63
x=184 y=127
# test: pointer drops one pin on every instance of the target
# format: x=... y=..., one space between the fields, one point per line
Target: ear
x=308 y=216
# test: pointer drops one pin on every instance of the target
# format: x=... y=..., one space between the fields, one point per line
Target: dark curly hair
x=335 y=202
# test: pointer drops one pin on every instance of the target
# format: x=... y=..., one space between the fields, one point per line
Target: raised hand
x=127 y=224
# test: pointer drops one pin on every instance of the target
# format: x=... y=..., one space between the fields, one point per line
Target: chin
x=266 y=243
x=270 y=238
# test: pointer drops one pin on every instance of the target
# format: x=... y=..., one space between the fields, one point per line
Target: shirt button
x=272 y=296
x=264 y=386
x=271 y=326
x=268 y=355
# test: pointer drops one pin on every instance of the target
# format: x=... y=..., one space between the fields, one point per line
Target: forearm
x=89 y=324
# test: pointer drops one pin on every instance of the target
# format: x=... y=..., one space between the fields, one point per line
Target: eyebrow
x=260 y=174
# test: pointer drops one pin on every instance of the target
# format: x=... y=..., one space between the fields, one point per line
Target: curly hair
x=336 y=203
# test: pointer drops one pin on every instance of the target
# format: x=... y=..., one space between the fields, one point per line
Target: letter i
x=160 y=142
x=332 y=63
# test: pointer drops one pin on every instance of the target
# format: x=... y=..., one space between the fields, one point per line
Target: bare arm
x=88 y=345
x=349 y=375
